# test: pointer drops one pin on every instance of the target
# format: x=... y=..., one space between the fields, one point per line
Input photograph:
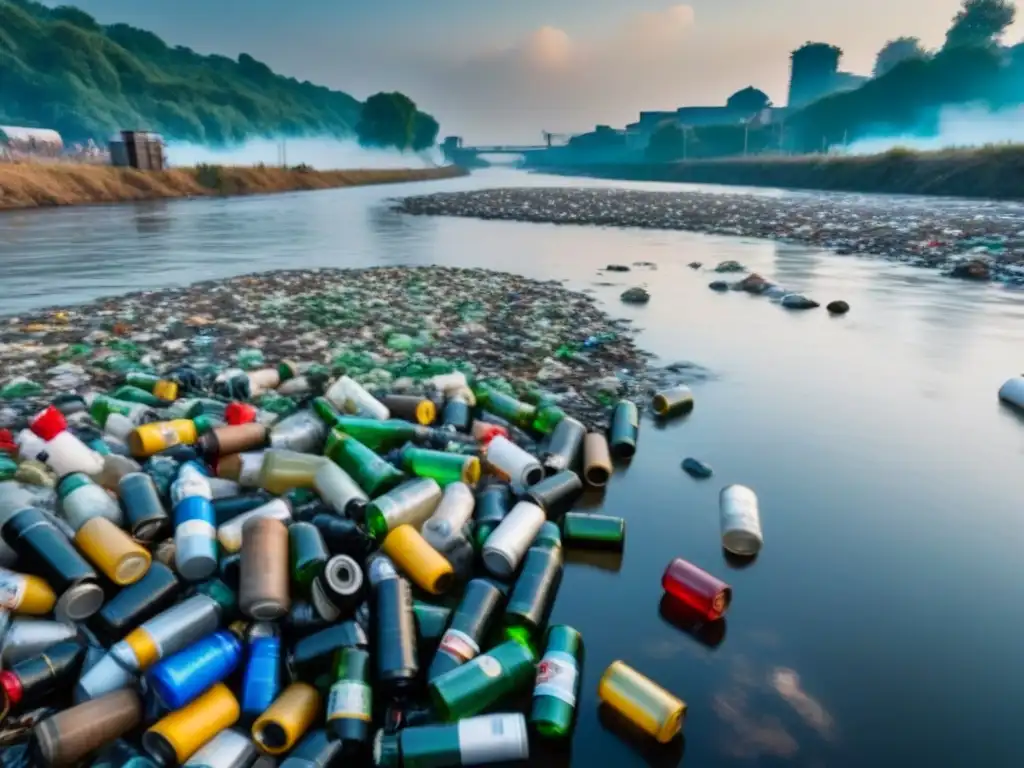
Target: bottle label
x=492 y=738
x=489 y=665
x=12 y=589
x=199 y=528
x=459 y=646
x=349 y=699
x=557 y=674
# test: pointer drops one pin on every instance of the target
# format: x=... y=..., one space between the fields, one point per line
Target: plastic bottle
x=183 y=677
x=195 y=537
x=557 y=687
x=81 y=499
x=411 y=503
x=261 y=680
x=180 y=734
x=496 y=738
x=482 y=682
x=470 y=623
x=283 y=470
x=427 y=568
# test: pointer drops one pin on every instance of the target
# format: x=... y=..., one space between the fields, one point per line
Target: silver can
x=740 y=520
x=507 y=544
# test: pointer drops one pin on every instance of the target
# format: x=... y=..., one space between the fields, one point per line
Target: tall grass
x=32 y=185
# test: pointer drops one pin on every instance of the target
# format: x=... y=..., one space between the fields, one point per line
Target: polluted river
x=880 y=623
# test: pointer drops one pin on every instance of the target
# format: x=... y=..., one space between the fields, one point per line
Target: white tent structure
x=34 y=141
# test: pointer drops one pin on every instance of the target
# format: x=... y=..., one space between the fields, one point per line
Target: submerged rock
x=617 y=268
x=635 y=296
x=718 y=285
x=975 y=269
x=697 y=468
x=730 y=266
x=695 y=265
x=798 y=301
x=752 y=283
x=837 y=307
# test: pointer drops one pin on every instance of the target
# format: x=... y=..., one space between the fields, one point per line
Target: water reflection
x=652 y=753
x=152 y=218
x=677 y=614
x=610 y=562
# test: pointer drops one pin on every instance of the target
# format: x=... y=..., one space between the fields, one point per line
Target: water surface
x=882 y=623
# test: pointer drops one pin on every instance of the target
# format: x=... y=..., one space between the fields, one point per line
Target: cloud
x=553 y=80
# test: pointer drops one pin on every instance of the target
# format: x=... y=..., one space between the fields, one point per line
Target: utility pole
x=746 y=137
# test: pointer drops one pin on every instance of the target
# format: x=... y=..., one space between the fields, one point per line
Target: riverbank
x=38 y=185
x=396 y=322
x=977 y=240
x=995 y=172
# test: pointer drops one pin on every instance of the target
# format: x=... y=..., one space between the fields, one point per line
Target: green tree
x=425 y=129
x=387 y=120
x=668 y=142
x=748 y=101
x=896 y=52
x=980 y=22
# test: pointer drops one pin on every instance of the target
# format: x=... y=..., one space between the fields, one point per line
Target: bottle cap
x=204 y=423
x=48 y=423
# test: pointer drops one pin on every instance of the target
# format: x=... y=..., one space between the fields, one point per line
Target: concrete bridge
x=470 y=157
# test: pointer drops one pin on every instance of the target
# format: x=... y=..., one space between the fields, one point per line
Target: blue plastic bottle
x=183 y=677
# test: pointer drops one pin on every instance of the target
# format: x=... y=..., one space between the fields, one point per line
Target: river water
x=882 y=623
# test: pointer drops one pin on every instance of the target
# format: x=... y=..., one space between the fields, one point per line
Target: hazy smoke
x=320 y=153
x=969 y=126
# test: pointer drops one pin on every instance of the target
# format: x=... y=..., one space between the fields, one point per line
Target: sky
x=507 y=70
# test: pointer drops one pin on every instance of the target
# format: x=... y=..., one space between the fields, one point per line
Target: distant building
x=138 y=149
x=814 y=74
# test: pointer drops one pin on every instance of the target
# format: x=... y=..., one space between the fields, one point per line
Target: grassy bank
x=34 y=185
x=990 y=172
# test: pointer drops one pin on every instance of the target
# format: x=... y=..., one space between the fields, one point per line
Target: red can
x=239 y=413
x=697 y=588
x=7 y=444
x=48 y=423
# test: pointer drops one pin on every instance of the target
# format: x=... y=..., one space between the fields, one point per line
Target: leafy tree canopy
x=392 y=120
x=60 y=69
x=980 y=22
x=896 y=52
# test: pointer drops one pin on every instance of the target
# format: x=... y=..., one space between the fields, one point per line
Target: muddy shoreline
x=948 y=235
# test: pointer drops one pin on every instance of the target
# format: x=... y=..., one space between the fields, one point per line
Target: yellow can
x=179 y=735
x=22 y=593
x=112 y=551
x=418 y=560
x=286 y=720
x=642 y=702
x=166 y=390
x=153 y=438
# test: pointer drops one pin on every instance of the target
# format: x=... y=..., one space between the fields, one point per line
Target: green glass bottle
x=308 y=554
x=547 y=418
x=146 y=381
x=373 y=474
x=130 y=394
x=349 y=710
x=507 y=407
x=558 y=683
x=482 y=682
x=445 y=468
x=598 y=531
x=375 y=434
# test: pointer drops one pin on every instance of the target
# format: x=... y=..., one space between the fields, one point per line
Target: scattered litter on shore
x=378 y=325
x=976 y=240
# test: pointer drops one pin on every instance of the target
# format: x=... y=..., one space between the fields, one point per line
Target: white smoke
x=320 y=153
x=960 y=126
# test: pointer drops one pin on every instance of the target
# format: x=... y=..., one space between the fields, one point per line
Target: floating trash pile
x=385 y=327
x=968 y=239
x=215 y=565
x=190 y=578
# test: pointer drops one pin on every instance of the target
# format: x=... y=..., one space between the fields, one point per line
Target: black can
x=229 y=507
x=344 y=537
x=564 y=446
x=556 y=494
x=394 y=625
x=44 y=679
x=457 y=414
x=147 y=519
x=492 y=504
x=624 y=430
x=313 y=655
x=48 y=552
x=156 y=591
